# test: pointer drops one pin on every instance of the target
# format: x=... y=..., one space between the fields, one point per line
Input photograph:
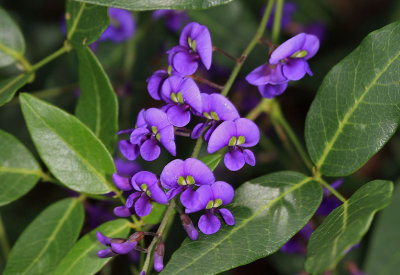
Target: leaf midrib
x=236 y=228
x=347 y=116
x=53 y=234
x=76 y=22
x=14 y=170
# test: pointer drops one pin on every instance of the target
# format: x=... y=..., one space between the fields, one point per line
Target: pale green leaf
x=357 y=108
x=268 y=211
x=73 y=154
x=82 y=257
x=346 y=225
x=47 y=239
x=212 y=161
x=19 y=171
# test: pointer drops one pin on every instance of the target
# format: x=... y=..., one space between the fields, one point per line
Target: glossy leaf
x=19 y=171
x=47 y=239
x=268 y=211
x=357 y=108
x=82 y=257
x=346 y=225
x=9 y=86
x=157 y=4
x=212 y=161
x=69 y=149
x=97 y=105
x=85 y=22
x=12 y=43
x=384 y=249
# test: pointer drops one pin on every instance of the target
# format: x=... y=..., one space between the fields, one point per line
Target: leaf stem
x=5 y=246
x=330 y=188
x=276 y=29
x=51 y=57
x=197 y=147
x=249 y=48
x=226 y=54
x=160 y=231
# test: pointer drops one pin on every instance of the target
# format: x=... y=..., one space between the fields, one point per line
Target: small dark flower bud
x=189 y=227
x=136 y=237
x=105 y=253
x=159 y=256
x=142 y=272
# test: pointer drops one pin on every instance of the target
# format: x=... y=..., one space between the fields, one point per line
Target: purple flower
x=297 y=244
x=117 y=245
x=269 y=79
x=155 y=82
x=126 y=168
x=173 y=18
x=159 y=256
x=122 y=26
x=216 y=108
x=145 y=188
x=181 y=95
x=211 y=197
x=195 y=46
x=182 y=175
x=152 y=128
x=236 y=135
x=289 y=8
x=189 y=227
x=293 y=54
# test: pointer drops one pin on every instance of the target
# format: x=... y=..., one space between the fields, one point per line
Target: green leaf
x=268 y=211
x=47 y=239
x=345 y=226
x=212 y=161
x=384 y=249
x=73 y=154
x=19 y=171
x=82 y=257
x=357 y=108
x=12 y=43
x=156 y=215
x=157 y=4
x=97 y=105
x=9 y=86
x=85 y=22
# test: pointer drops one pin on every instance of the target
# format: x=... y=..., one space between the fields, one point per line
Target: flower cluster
x=190 y=180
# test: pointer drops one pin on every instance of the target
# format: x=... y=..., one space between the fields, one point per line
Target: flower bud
x=159 y=256
x=121 y=246
x=105 y=253
x=189 y=227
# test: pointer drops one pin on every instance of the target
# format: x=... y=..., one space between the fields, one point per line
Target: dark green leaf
x=268 y=211
x=384 y=250
x=9 y=86
x=47 y=239
x=212 y=161
x=82 y=257
x=157 y=4
x=97 y=106
x=12 y=43
x=156 y=215
x=19 y=171
x=70 y=150
x=345 y=226
x=357 y=108
x=85 y=22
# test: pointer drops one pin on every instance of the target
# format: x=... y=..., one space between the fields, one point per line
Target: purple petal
x=122 y=211
x=288 y=48
x=178 y=115
x=123 y=248
x=128 y=150
x=158 y=263
x=270 y=90
x=138 y=134
x=221 y=136
x=247 y=128
x=227 y=216
x=106 y=253
x=260 y=75
x=210 y=130
x=249 y=157
x=223 y=191
x=170 y=174
x=126 y=168
x=199 y=171
x=121 y=182
x=131 y=199
x=187 y=224
x=234 y=160
x=154 y=83
x=171 y=85
x=150 y=150
x=198 y=130
x=311 y=45
x=191 y=94
x=140 y=122
x=156 y=117
x=144 y=177
x=174 y=191
x=209 y=224
x=205 y=195
x=157 y=194
x=103 y=239
x=222 y=107
x=167 y=139
x=143 y=206
x=184 y=62
x=190 y=198
x=295 y=69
